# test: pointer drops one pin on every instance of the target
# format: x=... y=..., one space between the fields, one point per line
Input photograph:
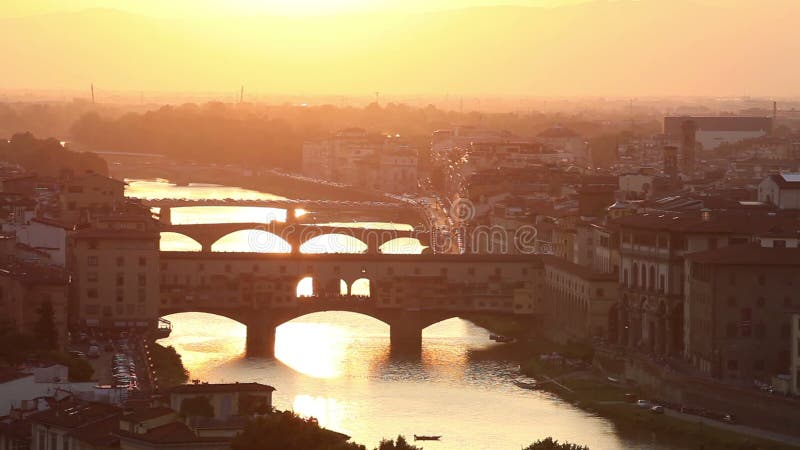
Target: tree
x=45 y=328
x=552 y=444
x=399 y=444
x=286 y=431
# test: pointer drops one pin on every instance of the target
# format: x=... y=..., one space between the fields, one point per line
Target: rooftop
x=748 y=254
x=77 y=414
x=172 y=433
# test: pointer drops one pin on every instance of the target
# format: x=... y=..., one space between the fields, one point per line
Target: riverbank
x=573 y=379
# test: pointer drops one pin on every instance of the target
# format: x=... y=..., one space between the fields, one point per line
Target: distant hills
x=648 y=47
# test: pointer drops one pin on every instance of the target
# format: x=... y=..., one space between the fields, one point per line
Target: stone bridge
x=407 y=292
x=293 y=234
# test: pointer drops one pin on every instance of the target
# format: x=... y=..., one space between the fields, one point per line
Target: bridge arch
x=402 y=245
x=251 y=241
x=361 y=287
x=177 y=242
x=333 y=243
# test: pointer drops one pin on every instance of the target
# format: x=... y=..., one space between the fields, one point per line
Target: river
x=337 y=366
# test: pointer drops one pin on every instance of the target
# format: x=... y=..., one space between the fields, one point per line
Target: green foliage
x=169 y=366
x=46 y=157
x=45 y=328
x=79 y=369
x=551 y=444
x=286 y=431
x=399 y=444
x=199 y=406
x=16 y=347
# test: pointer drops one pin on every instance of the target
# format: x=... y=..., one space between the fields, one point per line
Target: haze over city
x=399 y=225
x=433 y=48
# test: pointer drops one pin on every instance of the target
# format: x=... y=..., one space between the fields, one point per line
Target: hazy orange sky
x=405 y=47
x=175 y=8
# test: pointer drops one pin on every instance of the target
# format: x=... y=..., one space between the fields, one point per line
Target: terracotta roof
x=225 y=387
x=786 y=180
x=142 y=414
x=99 y=433
x=172 y=433
x=76 y=414
x=748 y=254
x=719 y=222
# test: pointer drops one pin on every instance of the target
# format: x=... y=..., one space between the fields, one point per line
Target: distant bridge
x=294 y=234
x=288 y=204
x=407 y=292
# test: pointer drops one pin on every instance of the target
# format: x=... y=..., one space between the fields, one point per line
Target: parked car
x=630 y=398
x=658 y=409
x=729 y=418
x=644 y=404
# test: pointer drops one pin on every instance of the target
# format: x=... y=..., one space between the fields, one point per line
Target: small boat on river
x=426 y=438
x=530 y=385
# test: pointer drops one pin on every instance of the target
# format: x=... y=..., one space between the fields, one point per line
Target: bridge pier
x=260 y=339
x=165 y=215
x=405 y=336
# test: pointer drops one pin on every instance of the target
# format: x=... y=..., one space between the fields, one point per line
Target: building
x=739 y=306
x=88 y=192
x=565 y=140
x=115 y=272
x=226 y=400
x=713 y=131
x=25 y=288
x=652 y=251
x=781 y=190
x=794 y=368
x=358 y=158
x=579 y=299
x=47 y=236
x=76 y=425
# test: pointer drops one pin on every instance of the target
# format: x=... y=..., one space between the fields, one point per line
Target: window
x=120 y=279
x=93 y=244
x=141 y=295
x=760 y=301
x=142 y=260
x=120 y=261
x=747 y=314
x=779 y=243
x=600 y=292
x=733 y=364
x=93 y=261
x=91 y=293
x=91 y=277
x=120 y=295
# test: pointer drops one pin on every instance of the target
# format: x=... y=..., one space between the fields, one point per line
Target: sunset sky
x=405 y=47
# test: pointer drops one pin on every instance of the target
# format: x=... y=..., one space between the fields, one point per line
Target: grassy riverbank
x=593 y=392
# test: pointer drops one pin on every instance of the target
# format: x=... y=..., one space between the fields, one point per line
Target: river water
x=337 y=366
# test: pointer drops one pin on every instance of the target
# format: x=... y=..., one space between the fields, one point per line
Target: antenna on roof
x=92 y=87
x=241 y=94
